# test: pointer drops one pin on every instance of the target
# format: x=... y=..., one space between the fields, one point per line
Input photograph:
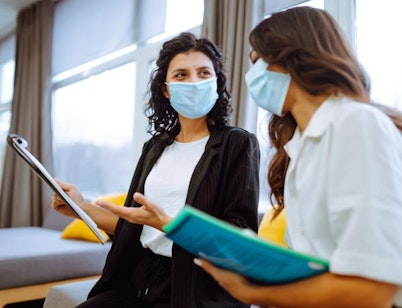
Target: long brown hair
x=310 y=45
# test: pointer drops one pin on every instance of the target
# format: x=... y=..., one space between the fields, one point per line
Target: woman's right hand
x=72 y=191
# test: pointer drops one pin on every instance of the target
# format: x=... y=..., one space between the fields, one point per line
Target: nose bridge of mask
x=267 y=88
x=192 y=88
x=188 y=84
x=260 y=66
x=256 y=77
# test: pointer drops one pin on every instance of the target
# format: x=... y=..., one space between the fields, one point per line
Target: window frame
x=143 y=55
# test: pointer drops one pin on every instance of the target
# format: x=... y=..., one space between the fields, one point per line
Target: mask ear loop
x=165 y=91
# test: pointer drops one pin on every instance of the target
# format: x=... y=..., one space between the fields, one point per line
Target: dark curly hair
x=163 y=120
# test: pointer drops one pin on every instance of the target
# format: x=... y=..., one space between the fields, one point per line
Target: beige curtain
x=24 y=199
x=228 y=23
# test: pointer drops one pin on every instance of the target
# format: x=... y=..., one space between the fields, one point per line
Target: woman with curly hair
x=193 y=157
x=337 y=167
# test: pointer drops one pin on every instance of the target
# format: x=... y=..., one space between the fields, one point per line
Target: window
x=6 y=95
x=7 y=79
x=177 y=21
x=98 y=118
x=93 y=125
x=379 y=48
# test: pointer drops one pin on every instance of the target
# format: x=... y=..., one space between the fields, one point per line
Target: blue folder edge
x=240 y=250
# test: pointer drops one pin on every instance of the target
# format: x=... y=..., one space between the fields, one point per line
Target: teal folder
x=240 y=250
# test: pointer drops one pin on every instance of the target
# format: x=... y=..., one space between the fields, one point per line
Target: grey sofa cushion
x=53 y=220
x=68 y=295
x=32 y=255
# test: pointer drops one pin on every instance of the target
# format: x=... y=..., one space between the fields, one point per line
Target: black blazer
x=225 y=183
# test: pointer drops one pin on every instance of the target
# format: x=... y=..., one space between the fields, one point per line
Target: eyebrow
x=178 y=70
x=205 y=67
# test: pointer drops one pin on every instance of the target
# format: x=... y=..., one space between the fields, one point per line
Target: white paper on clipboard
x=19 y=144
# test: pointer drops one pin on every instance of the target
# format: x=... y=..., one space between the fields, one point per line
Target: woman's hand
x=72 y=191
x=324 y=290
x=148 y=214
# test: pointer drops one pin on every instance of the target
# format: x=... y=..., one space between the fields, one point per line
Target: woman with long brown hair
x=337 y=166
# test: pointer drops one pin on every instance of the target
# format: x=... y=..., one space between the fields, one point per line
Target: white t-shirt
x=167 y=186
x=343 y=191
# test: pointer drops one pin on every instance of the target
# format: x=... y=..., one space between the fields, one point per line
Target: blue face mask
x=193 y=100
x=268 y=89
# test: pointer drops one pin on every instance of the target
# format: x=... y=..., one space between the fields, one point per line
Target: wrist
x=165 y=220
x=86 y=206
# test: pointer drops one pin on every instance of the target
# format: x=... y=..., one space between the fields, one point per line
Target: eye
x=206 y=73
x=179 y=76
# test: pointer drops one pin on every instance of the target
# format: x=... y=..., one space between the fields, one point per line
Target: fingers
x=147 y=214
x=153 y=208
x=60 y=183
x=126 y=212
x=115 y=209
x=217 y=273
x=208 y=267
x=56 y=201
x=140 y=198
x=56 y=205
x=147 y=204
x=64 y=186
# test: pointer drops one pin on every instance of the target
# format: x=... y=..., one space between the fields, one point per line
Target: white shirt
x=343 y=191
x=167 y=186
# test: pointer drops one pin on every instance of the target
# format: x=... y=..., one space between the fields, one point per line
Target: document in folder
x=240 y=250
x=19 y=145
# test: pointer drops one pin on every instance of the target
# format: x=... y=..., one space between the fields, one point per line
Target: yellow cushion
x=273 y=231
x=78 y=230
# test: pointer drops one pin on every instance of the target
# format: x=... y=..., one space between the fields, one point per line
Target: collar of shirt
x=317 y=126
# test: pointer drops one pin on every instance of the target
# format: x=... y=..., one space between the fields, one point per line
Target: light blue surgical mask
x=193 y=100
x=268 y=89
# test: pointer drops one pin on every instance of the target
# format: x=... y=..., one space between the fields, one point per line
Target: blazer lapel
x=149 y=161
x=203 y=165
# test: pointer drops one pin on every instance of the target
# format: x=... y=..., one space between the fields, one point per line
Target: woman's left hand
x=148 y=214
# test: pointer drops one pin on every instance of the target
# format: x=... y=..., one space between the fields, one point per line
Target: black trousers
x=149 y=286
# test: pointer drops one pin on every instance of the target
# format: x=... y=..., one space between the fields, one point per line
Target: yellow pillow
x=78 y=230
x=273 y=231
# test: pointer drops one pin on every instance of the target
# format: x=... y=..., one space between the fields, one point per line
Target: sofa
x=35 y=259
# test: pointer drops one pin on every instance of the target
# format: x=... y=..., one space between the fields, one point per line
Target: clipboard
x=240 y=250
x=19 y=145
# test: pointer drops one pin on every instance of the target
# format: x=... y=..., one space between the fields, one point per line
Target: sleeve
x=365 y=197
x=241 y=173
